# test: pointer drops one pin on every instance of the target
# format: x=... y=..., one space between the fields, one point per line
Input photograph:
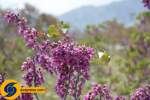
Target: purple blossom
x=21 y=22
x=67 y=60
x=1 y=97
x=68 y=57
x=142 y=93
x=120 y=98
x=146 y=3
x=29 y=34
x=2 y=78
x=43 y=55
x=25 y=96
x=33 y=74
x=28 y=64
x=76 y=89
x=29 y=77
x=11 y=17
x=98 y=91
x=39 y=79
x=34 y=78
x=44 y=47
x=71 y=61
x=61 y=86
x=45 y=62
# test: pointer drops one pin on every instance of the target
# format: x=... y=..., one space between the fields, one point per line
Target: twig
x=76 y=86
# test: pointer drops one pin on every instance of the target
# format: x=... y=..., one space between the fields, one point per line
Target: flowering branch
x=98 y=91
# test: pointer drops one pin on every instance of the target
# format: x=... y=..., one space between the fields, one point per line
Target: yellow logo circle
x=10 y=89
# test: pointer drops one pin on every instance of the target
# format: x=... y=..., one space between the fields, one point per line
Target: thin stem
x=76 y=86
x=36 y=95
x=67 y=88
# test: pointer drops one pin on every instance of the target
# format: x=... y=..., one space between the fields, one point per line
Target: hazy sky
x=55 y=7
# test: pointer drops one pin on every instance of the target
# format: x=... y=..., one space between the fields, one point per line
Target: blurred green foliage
x=129 y=48
x=12 y=54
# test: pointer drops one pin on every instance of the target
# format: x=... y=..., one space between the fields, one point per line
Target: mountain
x=125 y=11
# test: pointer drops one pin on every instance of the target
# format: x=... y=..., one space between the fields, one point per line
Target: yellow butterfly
x=104 y=57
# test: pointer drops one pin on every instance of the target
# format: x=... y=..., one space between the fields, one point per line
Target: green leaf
x=53 y=31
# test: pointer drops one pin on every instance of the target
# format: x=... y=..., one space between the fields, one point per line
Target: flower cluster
x=33 y=74
x=69 y=57
x=147 y=3
x=142 y=93
x=71 y=64
x=43 y=55
x=25 y=96
x=29 y=34
x=100 y=92
x=120 y=98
